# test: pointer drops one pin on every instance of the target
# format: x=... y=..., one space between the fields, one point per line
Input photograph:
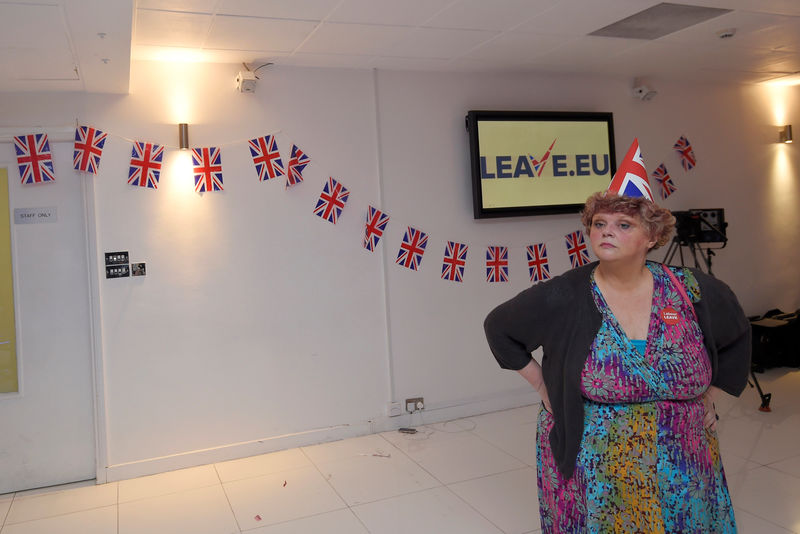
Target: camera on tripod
x=693 y=227
x=700 y=226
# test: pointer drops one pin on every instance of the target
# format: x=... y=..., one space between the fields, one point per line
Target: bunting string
x=35 y=164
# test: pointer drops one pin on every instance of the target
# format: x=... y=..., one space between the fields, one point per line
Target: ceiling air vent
x=659 y=20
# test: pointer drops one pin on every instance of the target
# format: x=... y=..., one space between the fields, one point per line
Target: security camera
x=246 y=81
x=644 y=92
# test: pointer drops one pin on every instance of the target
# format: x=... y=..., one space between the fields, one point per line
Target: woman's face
x=619 y=237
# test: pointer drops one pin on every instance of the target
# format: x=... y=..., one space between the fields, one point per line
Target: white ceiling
x=87 y=45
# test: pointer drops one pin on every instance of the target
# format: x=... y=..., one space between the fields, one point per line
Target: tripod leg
x=765 y=397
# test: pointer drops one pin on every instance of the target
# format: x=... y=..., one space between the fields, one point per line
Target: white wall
x=261 y=326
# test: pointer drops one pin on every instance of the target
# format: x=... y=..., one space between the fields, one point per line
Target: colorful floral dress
x=646 y=462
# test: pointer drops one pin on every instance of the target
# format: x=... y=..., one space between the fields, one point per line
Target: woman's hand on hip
x=710 y=417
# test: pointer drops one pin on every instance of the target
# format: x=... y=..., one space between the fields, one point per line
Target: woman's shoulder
x=561 y=290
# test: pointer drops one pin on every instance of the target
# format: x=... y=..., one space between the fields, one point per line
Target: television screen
x=536 y=162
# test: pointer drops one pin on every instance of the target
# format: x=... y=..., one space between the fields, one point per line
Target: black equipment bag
x=776 y=340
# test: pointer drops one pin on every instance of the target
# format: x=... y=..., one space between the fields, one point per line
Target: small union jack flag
x=266 y=157
x=576 y=248
x=455 y=258
x=497 y=264
x=537 y=262
x=88 y=149
x=145 y=164
x=685 y=151
x=374 y=227
x=331 y=201
x=207 y=168
x=412 y=248
x=662 y=178
x=297 y=164
x=34 y=159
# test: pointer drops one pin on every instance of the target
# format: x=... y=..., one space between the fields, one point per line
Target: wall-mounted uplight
x=183 y=136
x=785 y=134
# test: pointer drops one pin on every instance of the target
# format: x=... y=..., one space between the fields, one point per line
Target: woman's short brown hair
x=658 y=221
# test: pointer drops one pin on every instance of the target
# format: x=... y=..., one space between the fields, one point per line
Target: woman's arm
x=533 y=374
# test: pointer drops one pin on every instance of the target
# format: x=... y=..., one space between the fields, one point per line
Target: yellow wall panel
x=8 y=344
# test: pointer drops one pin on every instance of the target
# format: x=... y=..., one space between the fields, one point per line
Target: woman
x=634 y=353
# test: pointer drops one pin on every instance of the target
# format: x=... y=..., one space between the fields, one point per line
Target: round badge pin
x=670 y=316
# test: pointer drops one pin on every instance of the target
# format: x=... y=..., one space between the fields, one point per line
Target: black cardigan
x=560 y=316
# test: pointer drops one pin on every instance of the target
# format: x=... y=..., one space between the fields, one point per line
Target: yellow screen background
x=503 y=138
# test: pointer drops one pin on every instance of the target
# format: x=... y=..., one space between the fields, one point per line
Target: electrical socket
x=415 y=404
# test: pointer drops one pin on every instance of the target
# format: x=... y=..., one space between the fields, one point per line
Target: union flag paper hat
x=631 y=177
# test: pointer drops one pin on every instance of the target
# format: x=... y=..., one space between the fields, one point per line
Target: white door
x=47 y=428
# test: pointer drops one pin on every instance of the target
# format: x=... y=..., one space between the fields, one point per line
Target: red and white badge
x=670 y=316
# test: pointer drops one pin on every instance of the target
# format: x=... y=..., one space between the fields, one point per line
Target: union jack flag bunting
x=207 y=168
x=412 y=248
x=576 y=248
x=686 y=153
x=88 y=149
x=661 y=176
x=374 y=228
x=455 y=258
x=331 y=201
x=537 y=262
x=34 y=159
x=266 y=157
x=497 y=264
x=145 y=166
x=297 y=164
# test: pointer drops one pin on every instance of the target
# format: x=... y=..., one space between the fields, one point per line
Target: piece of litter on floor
x=284 y=483
x=381 y=454
x=257 y=518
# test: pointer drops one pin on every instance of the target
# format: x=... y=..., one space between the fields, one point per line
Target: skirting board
x=233 y=451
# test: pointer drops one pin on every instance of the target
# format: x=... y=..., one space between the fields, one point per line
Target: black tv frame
x=472 y=119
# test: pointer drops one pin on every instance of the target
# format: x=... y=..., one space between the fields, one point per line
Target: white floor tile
x=199 y=511
x=349 y=448
x=514 y=416
x=768 y=493
x=166 y=483
x=459 y=457
x=5 y=504
x=362 y=479
x=27 y=507
x=263 y=464
x=790 y=466
x=282 y=496
x=517 y=439
x=337 y=522
x=509 y=500
x=764 y=438
x=433 y=511
x=96 y=521
x=428 y=435
x=747 y=523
